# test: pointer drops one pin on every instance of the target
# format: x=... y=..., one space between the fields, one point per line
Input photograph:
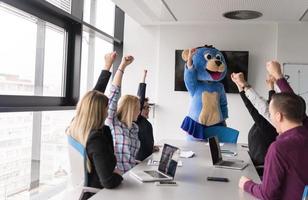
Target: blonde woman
x=88 y=129
x=121 y=119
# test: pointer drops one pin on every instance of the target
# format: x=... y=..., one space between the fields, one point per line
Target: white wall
x=292 y=48
x=155 y=47
x=142 y=43
x=293 y=42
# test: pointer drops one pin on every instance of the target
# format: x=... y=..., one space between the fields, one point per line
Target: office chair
x=224 y=134
x=305 y=194
x=78 y=178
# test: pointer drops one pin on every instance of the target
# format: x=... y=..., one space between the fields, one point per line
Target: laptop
x=166 y=169
x=217 y=157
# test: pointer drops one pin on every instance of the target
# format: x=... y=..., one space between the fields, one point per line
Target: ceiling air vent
x=242 y=14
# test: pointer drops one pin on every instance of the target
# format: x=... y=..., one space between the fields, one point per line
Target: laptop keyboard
x=155 y=174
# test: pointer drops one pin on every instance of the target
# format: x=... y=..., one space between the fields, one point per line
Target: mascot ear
x=185 y=55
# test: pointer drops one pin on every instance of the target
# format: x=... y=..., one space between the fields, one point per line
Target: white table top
x=191 y=178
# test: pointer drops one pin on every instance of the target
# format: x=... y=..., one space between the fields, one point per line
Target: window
x=92 y=61
x=100 y=14
x=17 y=75
x=54 y=165
x=54 y=61
x=40 y=70
x=27 y=71
x=63 y=4
x=15 y=151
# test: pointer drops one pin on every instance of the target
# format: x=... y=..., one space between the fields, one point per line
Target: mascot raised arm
x=204 y=69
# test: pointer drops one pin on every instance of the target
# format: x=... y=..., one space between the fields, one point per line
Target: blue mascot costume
x=205 y=67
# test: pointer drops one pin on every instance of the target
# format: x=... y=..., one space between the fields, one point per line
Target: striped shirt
x=126 y=142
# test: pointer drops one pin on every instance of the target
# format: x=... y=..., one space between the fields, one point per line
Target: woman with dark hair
x=145 y=133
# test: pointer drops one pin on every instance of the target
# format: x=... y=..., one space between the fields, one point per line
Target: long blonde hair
x=126 y=109
x=91 y=113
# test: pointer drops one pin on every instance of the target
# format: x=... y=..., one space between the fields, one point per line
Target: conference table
x=191 y=177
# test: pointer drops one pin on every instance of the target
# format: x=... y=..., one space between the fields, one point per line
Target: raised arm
x=142 y=89
x=115 y=90
x=274 y=69
x=257 y=118
x=270 y=81
x=190 y=73
x=117 y=80
x=251 y=109
x=257 y=101
x=104 y=77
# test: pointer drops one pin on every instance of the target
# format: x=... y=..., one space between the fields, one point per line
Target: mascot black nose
x=217 y=62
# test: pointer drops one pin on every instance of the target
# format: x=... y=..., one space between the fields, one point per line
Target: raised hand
x=238 y=79
x=191 y=52
x=270 y=81
x=234 y=78
x=117 y=80
x=127 y=60
x=109 y=59
x=274 y=69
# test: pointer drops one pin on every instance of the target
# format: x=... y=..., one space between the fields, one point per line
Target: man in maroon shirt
x=286 y=163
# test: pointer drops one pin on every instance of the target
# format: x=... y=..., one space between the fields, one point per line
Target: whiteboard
x=297 y=76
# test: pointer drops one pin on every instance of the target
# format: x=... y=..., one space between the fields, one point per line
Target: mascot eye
x=218 y=57
x=207 y=56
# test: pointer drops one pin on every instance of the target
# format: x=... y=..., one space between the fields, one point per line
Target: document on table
x=187 y=154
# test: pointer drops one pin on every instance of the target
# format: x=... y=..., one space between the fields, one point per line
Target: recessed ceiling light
x=242 y=14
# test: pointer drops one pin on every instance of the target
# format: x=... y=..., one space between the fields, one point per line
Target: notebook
x=217 y=157
x=166 y=169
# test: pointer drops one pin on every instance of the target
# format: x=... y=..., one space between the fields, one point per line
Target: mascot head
x=209 y=63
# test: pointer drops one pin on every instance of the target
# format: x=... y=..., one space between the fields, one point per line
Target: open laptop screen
x=169 y=160
x=215 y=149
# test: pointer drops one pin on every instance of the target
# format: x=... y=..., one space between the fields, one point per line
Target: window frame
x=73 y=24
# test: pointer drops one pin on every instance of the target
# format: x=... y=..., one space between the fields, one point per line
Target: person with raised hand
x=88 y=128
x=274 y=69
x=257 y=101
x=286 y=162
x=262 y=133
x=145 y=133
x=122 y=114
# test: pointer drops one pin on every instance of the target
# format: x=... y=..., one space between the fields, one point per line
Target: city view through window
x=33 y=145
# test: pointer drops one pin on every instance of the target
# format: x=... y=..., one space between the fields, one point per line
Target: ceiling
x=158 y=12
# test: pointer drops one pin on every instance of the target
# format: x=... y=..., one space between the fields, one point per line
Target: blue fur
x=198 y=80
